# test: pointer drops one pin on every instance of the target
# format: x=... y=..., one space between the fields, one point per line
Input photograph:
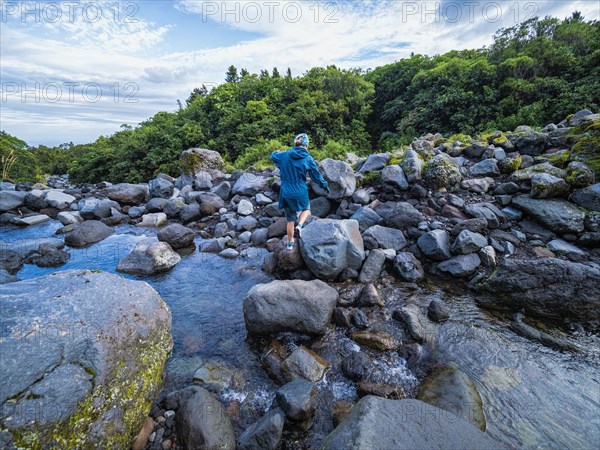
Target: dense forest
x=535 y=73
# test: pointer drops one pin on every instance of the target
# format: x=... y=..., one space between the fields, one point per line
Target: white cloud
x=108 y=51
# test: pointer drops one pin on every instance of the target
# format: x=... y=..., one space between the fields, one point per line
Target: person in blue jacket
x=293 y=165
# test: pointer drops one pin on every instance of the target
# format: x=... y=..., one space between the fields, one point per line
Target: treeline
x=535 y=73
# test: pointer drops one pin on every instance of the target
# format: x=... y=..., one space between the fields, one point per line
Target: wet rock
x=366 y=218
x=559 y=216
x=176 y=235
x=357 y=365
x=229 y=253
x=461 y=266
x=550 y=288
x=149 y=257
x=300 y=306
x=303 y=363
x=329 y=246
x=435 y=245
x=468 y=242
x=377 y=340
x=340 y=178
x=452 y=390
x=52 y=258
x=71 y=362
x=378 y=236
x=342 y=317
x=89 y=232
x=202 y=423
x=588 y=197
x=544 y=185
x=126 y=193
x=214 y=377
x=370 y=296
x=438 y=311
x=379 y=423
x=297 y=399
x=414 y=320
x=265 y=434
x=372 y=266
x=6 y=277
x=408 y=267
x=529 y=332
x=34 y=219
x=360 y=319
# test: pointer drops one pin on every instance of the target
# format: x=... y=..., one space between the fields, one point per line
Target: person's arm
x=315 y=175
x=276 y=157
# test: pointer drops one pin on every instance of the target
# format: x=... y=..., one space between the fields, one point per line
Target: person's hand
x=327 y=191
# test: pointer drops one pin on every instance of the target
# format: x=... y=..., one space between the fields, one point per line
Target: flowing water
x=534 y=396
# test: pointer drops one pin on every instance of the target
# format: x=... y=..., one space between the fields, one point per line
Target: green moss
x=560 y=159
x=466 y=139
x=499 y=141
x=510 y=165
x=396 y=158
x=369 y=178
x=587 y=150
x=123 y=396
x=439 y=142
x=189 y=162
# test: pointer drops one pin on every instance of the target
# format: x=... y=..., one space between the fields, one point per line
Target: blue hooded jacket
x=293 y=166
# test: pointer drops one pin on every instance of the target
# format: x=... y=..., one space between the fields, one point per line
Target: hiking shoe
x=290 y=245
x=298 y=231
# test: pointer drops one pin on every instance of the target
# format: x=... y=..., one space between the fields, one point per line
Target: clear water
x=534 y=397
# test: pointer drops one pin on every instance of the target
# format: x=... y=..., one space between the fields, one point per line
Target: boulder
x=223 y=189
x=149 y=257
x=383 y=237
x=153 y=220
x=290 y=305
x=486 y=168
x=104 y=207
x=412 y=166
x=366 y=218
x=203 y=181
x=438 y=311
x=202 y=423
x=549 y=288
x=372 y=267
x=249 y=184
x=377 y=340
x=379 y=423
x=479 y=185
x=36 y=200
x=529 y=142
x=461 y=266
x=288 y=260
x=319 y=207
x=435 y=245
x=394 y=176
x=450 y=389
x=544 y=185
x=468 y=242
x=340 y=177
x=161 y=188
x=579 y=175
x=298 y=399
x=87 y=233
x=329 y=246
x=196 y=160
x=401 y=216
x=209 y=202
x=476 y=149
x=265 y=434
x=86 y=208
x=588 y=197
x=11 y=200
x=127 y=193
x=58 y=199
x=440 y=171
x=558 y=216
x=33 y=219
x=408 y=267
x=176 y=235
x=98 y=336
x=245 y=207
x=375 y=161
x=6 y=277
x=303 y=363
x=525 y=175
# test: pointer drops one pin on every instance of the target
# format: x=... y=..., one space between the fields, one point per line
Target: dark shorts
x=290 y=214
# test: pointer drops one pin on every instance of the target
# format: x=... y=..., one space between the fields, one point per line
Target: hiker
x=293 y=165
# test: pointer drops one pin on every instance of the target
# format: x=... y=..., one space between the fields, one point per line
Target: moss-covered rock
x=196 y=160
x=511 y=163
x=526 y=174
x=91 y=369
x=579 y=175
x=441 y=172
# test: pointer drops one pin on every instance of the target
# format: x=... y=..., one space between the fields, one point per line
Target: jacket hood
x=299 y=153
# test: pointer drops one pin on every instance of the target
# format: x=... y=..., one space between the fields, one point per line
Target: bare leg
x=290 y=231
x=303 y=216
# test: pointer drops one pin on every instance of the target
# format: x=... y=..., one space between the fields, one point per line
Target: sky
x=74 y=70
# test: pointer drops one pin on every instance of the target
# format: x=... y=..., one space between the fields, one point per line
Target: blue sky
x=72 y=71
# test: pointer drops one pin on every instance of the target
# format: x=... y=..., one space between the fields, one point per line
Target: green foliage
x=18 y=162
x=258 y=155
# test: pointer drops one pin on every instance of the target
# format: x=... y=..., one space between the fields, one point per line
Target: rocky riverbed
x=462 y=275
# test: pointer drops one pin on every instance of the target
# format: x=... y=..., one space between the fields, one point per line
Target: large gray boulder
x=383 y=237
x=544 y=185
x=408 y=267
x=89 y=232
x=329 y=246
x=401 y=216
x=486 y=168
x=290 y=305
x=341 y=179
x=249 y=184
x=58 y=199
x=161 y=188
x=10 y=200
x=468 y=242
x=176 y=235
x=558 y=216
x=440 y=171
x=375 y=161
x=435 y=245
x=588 y=197
x=379 y=423
x=528 y=142
x=149 y=256
x=127 y=193
x=202 y=423
x=82 y=355
x=196 y=160
x=264 y=434
x=550 y=288
x=394 y=176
